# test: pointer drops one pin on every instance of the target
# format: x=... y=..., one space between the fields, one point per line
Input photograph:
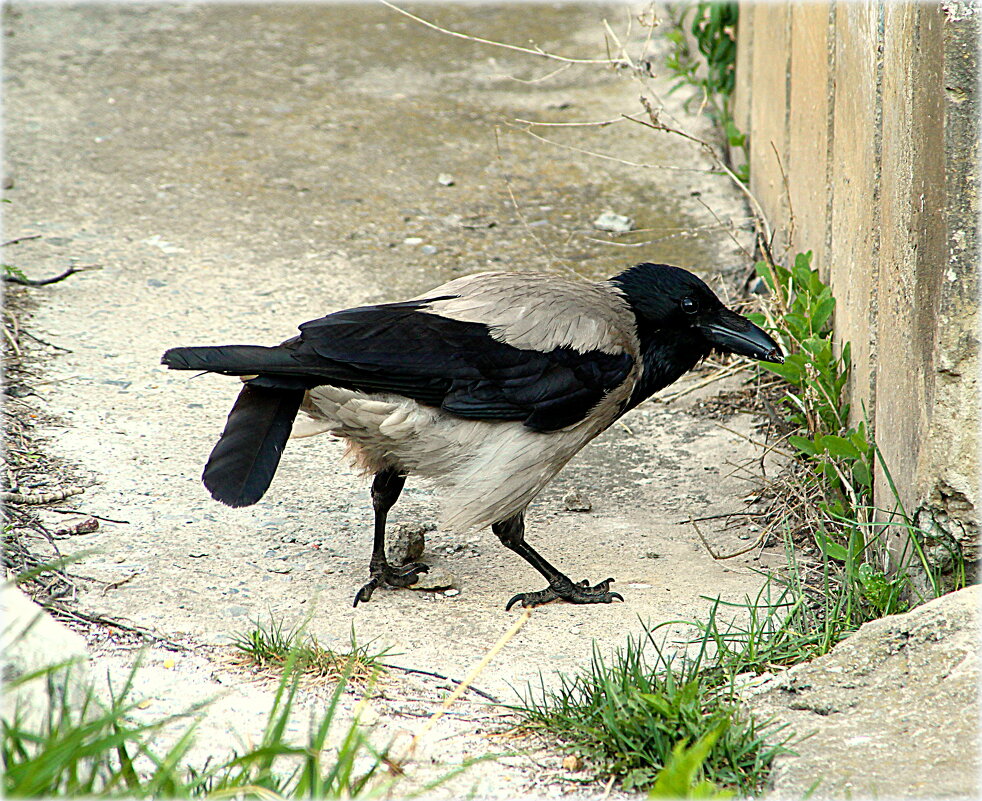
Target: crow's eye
x=690 y=305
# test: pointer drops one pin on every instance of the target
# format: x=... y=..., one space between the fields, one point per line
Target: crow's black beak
x=729 y=332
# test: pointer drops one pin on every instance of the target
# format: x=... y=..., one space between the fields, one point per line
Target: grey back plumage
x=527 y=312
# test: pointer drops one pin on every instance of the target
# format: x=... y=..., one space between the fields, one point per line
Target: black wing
x=457 y=366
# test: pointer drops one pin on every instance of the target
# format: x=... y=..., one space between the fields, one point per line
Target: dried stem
x=536 y=51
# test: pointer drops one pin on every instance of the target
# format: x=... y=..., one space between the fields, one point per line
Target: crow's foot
x=404 y=576
x=562 y=589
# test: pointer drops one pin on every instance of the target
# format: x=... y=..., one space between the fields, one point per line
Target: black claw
x=365 y=593
x=579 y=593
x=530 y=599
x=404 y=576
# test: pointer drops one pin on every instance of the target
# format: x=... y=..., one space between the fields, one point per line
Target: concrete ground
x=237 y=170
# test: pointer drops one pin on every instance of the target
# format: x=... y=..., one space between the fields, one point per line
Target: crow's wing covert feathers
x=458 y=366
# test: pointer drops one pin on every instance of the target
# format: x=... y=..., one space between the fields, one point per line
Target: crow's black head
x=680 y=320
x=672 y=299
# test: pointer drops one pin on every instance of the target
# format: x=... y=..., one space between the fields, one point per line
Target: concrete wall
x=872 y=110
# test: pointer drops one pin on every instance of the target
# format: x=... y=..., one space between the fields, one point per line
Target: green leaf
x=818 y=285
x=783 y=275
x=14 y=272
x=858 y=438
x=804 y=445
x=733 y=135
x=764 y=273
x=658 y=703
x=789 y=371
x=861 y=474
x=834 y=509
x=803 y=260
x=833 y=550
x=802 y=277
x=678 y=778
x=636 y=779
x=828 y=470
x=838 y=446
x=797 y=324
x=818 y=347
x=821 y=313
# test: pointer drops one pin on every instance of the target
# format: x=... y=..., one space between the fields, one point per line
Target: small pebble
x=437 y=578
x=445 y=179
x=576 y=501
x=429 y=250
x=572 y=762
x=407 y=541
x=451 y=593
x=413 y=240
x=615 y=223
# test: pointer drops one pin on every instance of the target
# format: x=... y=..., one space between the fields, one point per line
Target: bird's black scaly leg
x=511 y=532
x=385 y=491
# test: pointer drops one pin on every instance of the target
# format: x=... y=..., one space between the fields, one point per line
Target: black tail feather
x=244 y=459
x=228 y=359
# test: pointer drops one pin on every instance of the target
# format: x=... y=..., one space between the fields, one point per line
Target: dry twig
x=475 y=672
x=720 y=557
x=36 y=499
x=528 y=228
x=606 y=157
x=536 y=51
x=20 y=239
x=717 y=375
x=17 y=279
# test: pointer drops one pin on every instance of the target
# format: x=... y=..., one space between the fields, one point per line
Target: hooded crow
x=486 y=385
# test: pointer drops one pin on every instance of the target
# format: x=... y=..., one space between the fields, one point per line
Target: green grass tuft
x=268 y=646
x=86 y=747
x=627 y=717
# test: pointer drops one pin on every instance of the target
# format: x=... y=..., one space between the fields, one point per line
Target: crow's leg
x=511 y=532
x=386 y=487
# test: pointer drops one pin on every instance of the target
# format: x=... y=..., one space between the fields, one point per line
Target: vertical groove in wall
x=830 y=126
x=786 y=139
x=877 y=199
x=744 y=79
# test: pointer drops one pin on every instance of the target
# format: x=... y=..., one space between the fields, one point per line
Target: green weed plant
x=712 y=71
x=841 y=453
